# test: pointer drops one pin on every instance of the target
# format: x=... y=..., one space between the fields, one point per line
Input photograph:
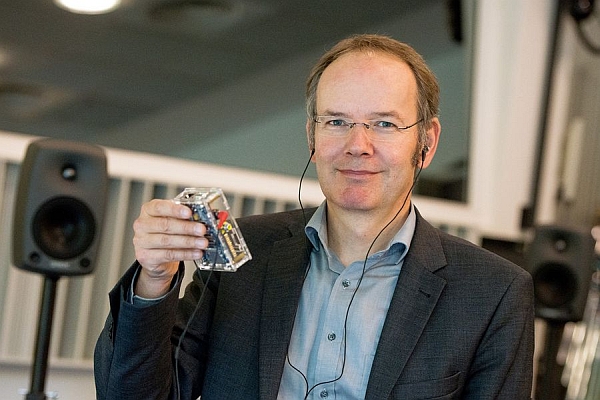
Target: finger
x=168 y=241
x=165 y=208
x=146 y=225
x=177 y=226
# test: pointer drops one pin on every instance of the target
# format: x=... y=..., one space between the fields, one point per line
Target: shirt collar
x=316 y=231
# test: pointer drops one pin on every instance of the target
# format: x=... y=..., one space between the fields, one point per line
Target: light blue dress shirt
x=332 y=310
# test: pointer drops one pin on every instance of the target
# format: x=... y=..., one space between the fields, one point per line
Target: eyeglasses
x=377 y=129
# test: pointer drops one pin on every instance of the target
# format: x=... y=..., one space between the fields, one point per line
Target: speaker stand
x=548 y=383
x=42 y=344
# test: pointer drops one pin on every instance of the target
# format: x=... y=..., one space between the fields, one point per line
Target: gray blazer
x=459 y=326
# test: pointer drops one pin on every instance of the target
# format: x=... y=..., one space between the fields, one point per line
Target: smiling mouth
x=356 y=173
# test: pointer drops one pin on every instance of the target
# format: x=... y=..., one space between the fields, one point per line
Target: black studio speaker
x=561 y=262
x=59 y=207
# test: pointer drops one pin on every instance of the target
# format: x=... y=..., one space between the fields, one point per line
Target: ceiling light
x=88 y=6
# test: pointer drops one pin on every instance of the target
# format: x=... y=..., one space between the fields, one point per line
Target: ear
x=433 y=137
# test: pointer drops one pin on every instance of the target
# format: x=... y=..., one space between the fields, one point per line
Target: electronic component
x=227 y=250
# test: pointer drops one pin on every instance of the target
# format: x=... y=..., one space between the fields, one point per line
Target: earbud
x=424 y=153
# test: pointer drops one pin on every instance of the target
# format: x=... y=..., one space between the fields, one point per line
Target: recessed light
x=88 y=6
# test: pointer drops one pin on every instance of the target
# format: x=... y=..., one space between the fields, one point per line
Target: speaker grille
x=555 y=285
x=63 y=227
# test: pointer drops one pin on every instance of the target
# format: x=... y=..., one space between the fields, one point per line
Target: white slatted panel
x=82 y=302
x=22 y=290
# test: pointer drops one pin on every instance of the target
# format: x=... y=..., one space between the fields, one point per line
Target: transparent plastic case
x=227 y=250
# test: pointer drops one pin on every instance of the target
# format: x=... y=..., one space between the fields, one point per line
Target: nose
x=358 y=140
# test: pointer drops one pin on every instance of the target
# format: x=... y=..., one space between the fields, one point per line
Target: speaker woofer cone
x=555 y=285
x=64 y=227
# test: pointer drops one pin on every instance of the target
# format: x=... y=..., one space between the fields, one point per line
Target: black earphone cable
x=312 y=152
x=307 y=390
x=187 y=325
x=308 y=251
x=204 y=287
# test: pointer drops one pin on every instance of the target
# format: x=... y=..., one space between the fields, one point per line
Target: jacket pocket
x=434 y=389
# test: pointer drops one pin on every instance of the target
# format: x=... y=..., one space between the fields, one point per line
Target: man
x=367 y=300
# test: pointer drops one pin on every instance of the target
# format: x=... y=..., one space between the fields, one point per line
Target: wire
x=308 y=251
x=187 y=325
x=200 y=300
x=304 y=377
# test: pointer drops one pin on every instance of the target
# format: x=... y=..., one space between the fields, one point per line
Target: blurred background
x=211 y=93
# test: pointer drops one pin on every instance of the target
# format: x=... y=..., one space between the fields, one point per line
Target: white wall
x=511 y=50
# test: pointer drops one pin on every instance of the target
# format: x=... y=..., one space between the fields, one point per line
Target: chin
x=357 y=202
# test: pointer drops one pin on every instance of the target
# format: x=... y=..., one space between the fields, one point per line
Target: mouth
x=356 y=173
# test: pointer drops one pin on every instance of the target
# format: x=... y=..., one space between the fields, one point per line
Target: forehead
x=368 y=82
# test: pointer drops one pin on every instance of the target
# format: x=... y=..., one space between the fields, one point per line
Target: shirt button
x=324 y=393
x=331 y=337
x=346 y=283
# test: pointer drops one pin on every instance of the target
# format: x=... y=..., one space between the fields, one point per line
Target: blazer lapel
x=416 y=294
x=282 y=288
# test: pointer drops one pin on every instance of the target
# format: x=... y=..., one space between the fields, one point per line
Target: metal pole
x=42 y=344
x=548 y=385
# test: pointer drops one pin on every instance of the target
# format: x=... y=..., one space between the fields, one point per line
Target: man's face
x=358 y=171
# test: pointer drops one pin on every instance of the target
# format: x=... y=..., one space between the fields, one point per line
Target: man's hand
x=163 y=236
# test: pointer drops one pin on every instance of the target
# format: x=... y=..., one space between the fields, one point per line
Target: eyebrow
x=334 y=114
x=387 y=114
x=381 y=114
